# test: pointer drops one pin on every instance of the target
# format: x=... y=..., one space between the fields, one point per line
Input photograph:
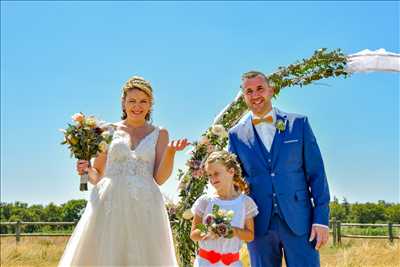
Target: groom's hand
x=321 y=234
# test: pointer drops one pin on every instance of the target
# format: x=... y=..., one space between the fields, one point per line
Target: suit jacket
x=293 y=170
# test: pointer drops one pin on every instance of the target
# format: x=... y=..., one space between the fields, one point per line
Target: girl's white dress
x=242 y=206
x=125 y=222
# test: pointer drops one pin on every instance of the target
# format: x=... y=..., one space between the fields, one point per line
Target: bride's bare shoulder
x=163 y=135
x=118 y=125
x=163 y=131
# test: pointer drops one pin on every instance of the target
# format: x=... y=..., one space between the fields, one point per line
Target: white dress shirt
x=266 y=130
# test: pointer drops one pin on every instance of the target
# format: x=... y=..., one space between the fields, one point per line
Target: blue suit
x=289 y=186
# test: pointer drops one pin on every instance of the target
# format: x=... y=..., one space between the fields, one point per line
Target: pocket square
x=291 y=141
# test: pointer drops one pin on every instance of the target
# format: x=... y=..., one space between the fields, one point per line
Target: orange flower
x=78 y=117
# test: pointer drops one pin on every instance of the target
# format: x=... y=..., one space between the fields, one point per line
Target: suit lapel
x=278 y=138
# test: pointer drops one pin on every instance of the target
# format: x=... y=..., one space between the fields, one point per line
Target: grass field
x=46 y=251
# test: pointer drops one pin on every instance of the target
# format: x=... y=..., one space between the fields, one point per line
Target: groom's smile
x=258 y=103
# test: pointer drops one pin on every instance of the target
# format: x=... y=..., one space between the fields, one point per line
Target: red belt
x=215 y=257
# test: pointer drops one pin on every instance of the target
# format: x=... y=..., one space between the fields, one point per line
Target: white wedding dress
x=125 y=222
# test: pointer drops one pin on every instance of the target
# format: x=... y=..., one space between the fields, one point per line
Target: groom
x=282 y=163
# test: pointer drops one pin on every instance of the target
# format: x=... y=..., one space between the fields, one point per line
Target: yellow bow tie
x=267 y=119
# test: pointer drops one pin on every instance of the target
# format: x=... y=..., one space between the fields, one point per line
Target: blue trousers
x=268 y=250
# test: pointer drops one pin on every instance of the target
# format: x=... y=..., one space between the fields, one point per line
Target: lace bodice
x=123 y=161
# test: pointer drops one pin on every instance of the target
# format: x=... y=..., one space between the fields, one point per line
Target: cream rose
x=219 y=130
x=187 y=214
x=91 y=122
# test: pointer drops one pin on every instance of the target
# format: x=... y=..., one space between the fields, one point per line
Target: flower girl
x=220 y=240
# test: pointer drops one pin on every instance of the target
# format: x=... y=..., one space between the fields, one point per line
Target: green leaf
x=202 y=228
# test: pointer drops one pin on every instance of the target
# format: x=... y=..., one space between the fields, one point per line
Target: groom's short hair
x=253 y=73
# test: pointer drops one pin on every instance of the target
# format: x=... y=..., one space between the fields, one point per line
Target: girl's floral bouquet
x=87 y=138
x=218 y=222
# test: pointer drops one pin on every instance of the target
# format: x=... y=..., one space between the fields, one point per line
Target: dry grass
x=355 y=253
x=32 y=251
x=46 y=251
x=362 y=253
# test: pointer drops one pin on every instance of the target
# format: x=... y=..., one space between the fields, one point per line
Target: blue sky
x=58 y=58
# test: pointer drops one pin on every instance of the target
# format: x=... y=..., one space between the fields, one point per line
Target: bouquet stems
x=84 y=180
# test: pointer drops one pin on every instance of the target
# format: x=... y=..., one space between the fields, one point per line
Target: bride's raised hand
x=178 y=145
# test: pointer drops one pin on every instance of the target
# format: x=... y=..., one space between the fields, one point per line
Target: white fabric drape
x=368 y=61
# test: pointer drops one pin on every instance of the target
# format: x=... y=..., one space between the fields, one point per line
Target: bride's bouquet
x=87 y=138
x=218 y=222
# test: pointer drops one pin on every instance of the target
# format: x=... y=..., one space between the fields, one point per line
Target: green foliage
x=381 y=212
x=18 y=211
x=202 y=228
x=320 y=65
x=337 y=210
x=368 y=213
x=368 y=231
x=392 y=213
x=72 y=210
x=234 y=113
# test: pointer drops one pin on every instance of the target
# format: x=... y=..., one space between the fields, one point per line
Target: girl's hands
x=236 y=231
x=210 y=235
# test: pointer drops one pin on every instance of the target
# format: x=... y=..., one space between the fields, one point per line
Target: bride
x=125 y=222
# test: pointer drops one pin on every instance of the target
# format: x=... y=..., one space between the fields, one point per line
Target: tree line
x=380 y=212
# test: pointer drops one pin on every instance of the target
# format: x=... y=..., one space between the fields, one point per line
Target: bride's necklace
x=139 y=131
x=133 y=127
